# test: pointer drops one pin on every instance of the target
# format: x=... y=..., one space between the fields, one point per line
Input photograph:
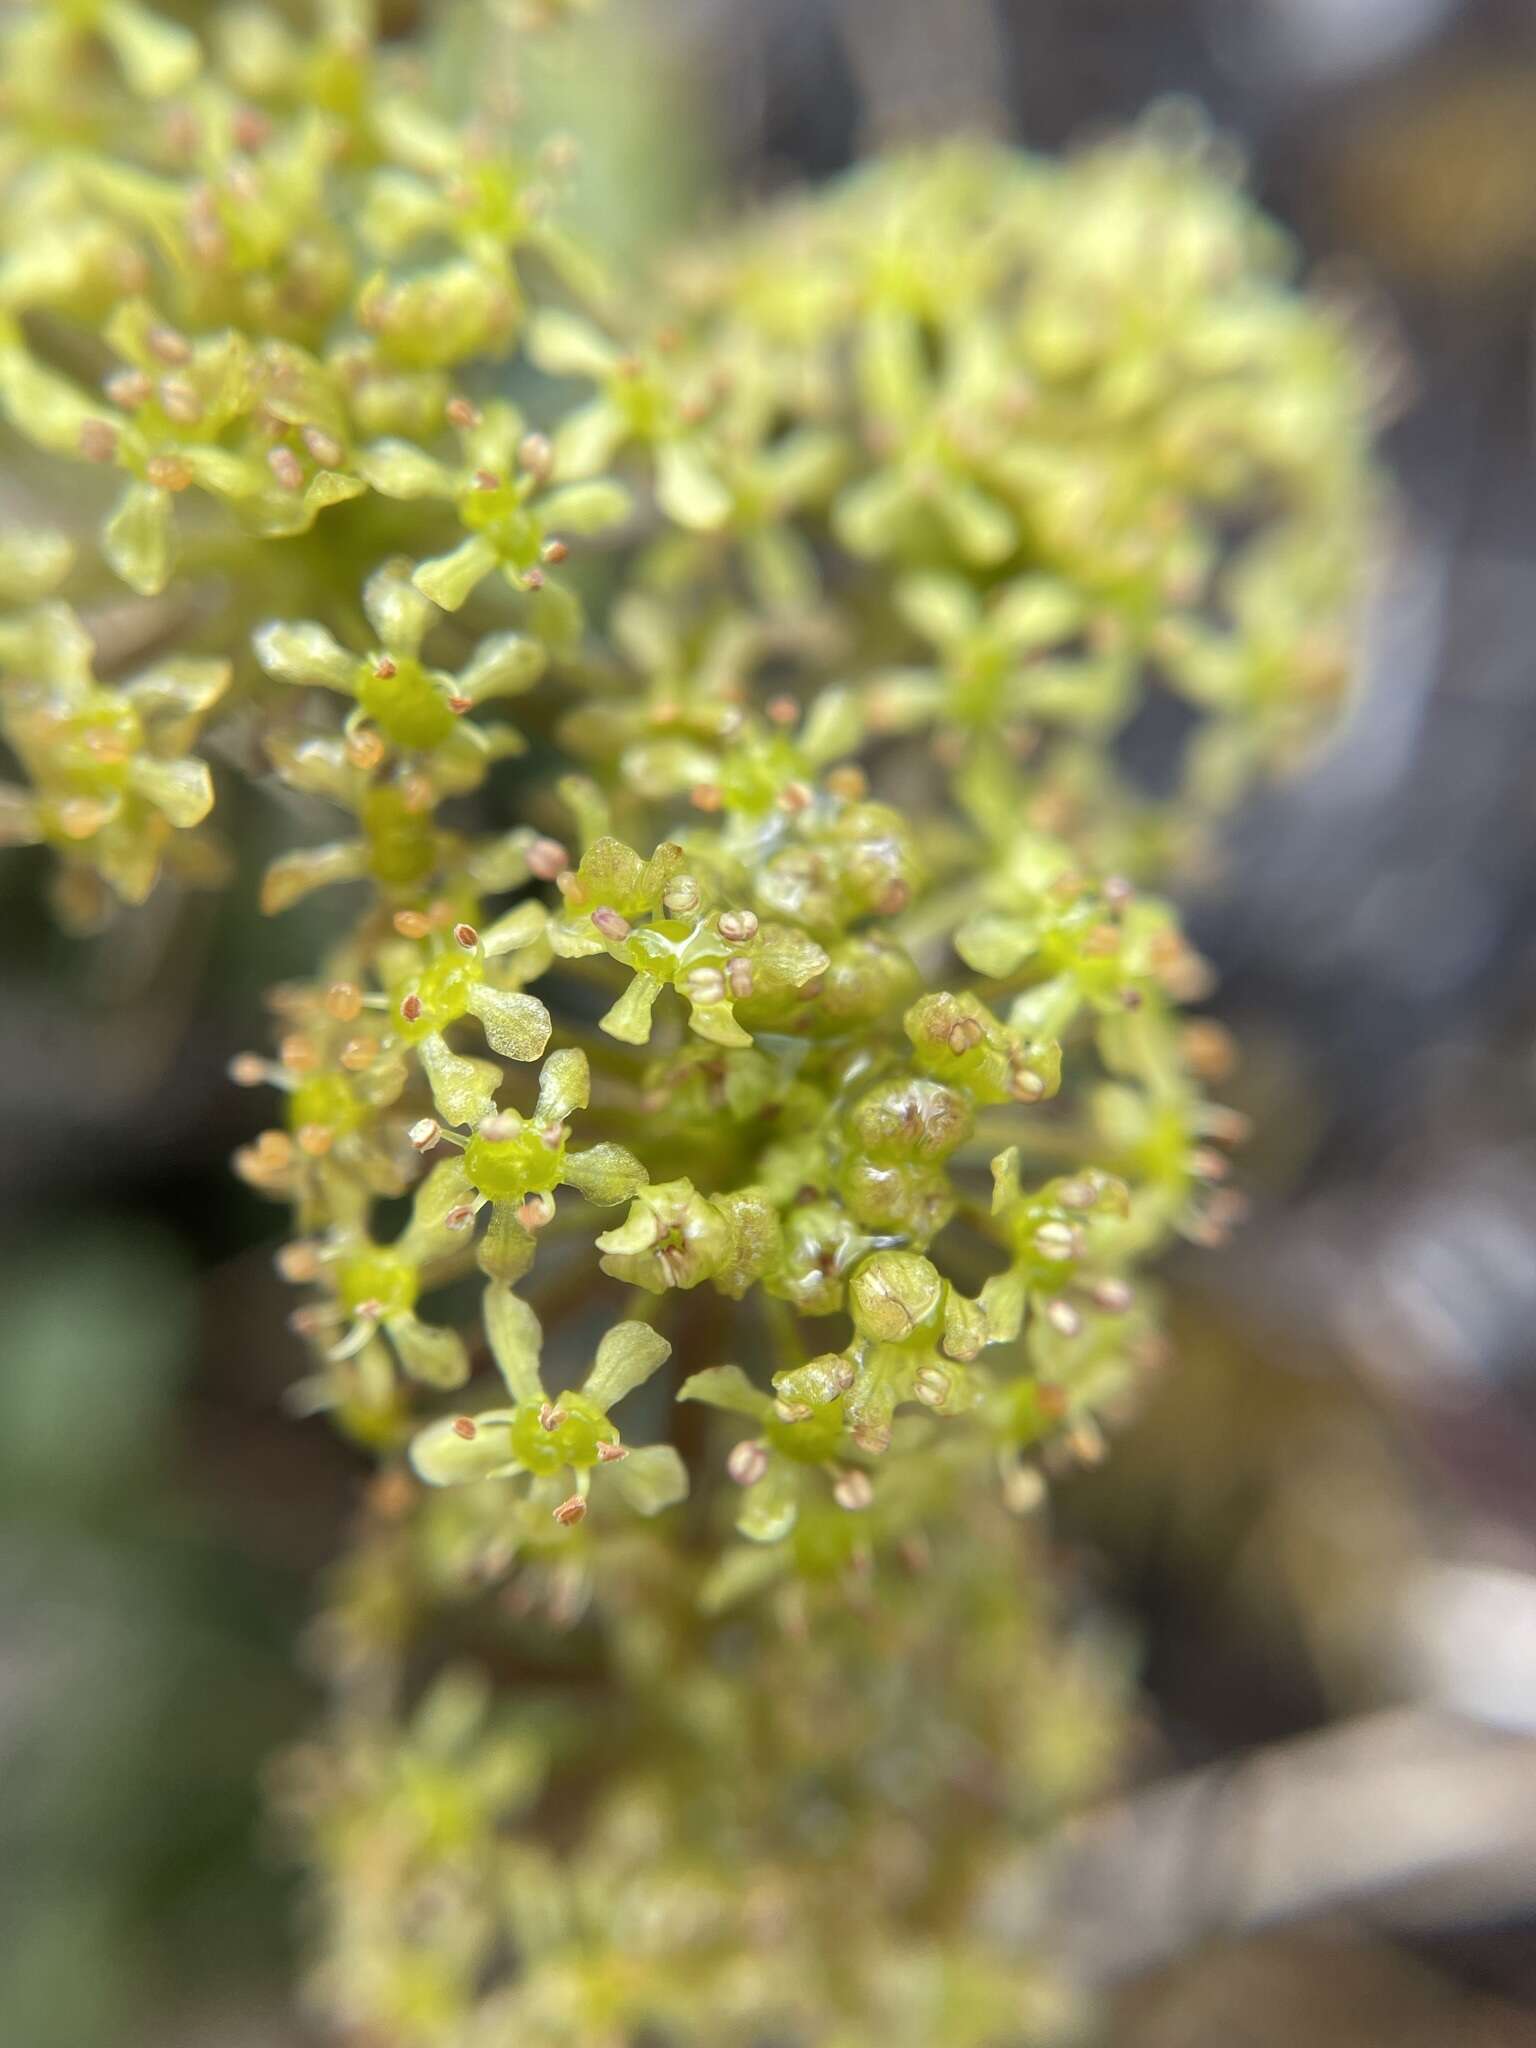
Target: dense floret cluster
x=729 y=699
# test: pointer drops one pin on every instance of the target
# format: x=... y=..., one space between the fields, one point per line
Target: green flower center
x=573 y=1441
x=407 y=707
x=383 y=1278
x=327 y=1100
x=506 y=1169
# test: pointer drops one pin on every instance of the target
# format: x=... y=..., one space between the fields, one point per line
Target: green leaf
x=443 y=1456
x=565 y=1084
x=629 y=1020
x=449 y=580
x=727 y=1387
x=771 y=1507
x=433 y=1355
x=585 y=508
x=516 y=1341
x=516 y=1025
x=688 y=490
x=463 y=1090
x=651 y=1478
x=181 y=790
x=305 y=654
x=626 y=1359
x=604 y=1174
x=139 y=540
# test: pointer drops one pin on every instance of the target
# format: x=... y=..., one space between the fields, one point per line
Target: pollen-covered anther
x=324 y=447
x=551 y=1416
x=425 y=1133
x=410 y=1008
x=467 y=936
x=571 y=1511
x=299 y=1262
x=315 y=1139
x=932 y=1386
x=1111 y=1295
x=536 y=455
x=1063 y=1317
x=1077 y=1194
x=168 y=345
x=739 y=978
x=554 y=552
x=738 y=926
x=963 y=1034
x=343 y=1001
x=611 y=923
x=128 y=389
x=537 y=1212
x=384 y=667
x=546 y=859
x=98 y=441
x=463 y=1426
x=747 y=1462
x=1058 y=1241
x=1024 y=1085
x=853 y=1489
x=299 y=1052
x=365 y=749
x=610 y=1454
x=286 y=467
x=682 y=897
x=179 y=401
x=705 y=985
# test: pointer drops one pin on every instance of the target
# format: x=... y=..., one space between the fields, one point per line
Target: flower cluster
x=721 y=710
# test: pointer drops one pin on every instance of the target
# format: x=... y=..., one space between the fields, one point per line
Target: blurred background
x=1323 y=1529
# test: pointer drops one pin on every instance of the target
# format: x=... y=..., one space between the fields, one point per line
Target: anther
x=571 y=1511
x=738 y=926
x=425 y=1133
x=748 y=1462
x=463 y=1426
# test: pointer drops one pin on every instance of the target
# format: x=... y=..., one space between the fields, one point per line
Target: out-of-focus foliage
x=716 y=681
